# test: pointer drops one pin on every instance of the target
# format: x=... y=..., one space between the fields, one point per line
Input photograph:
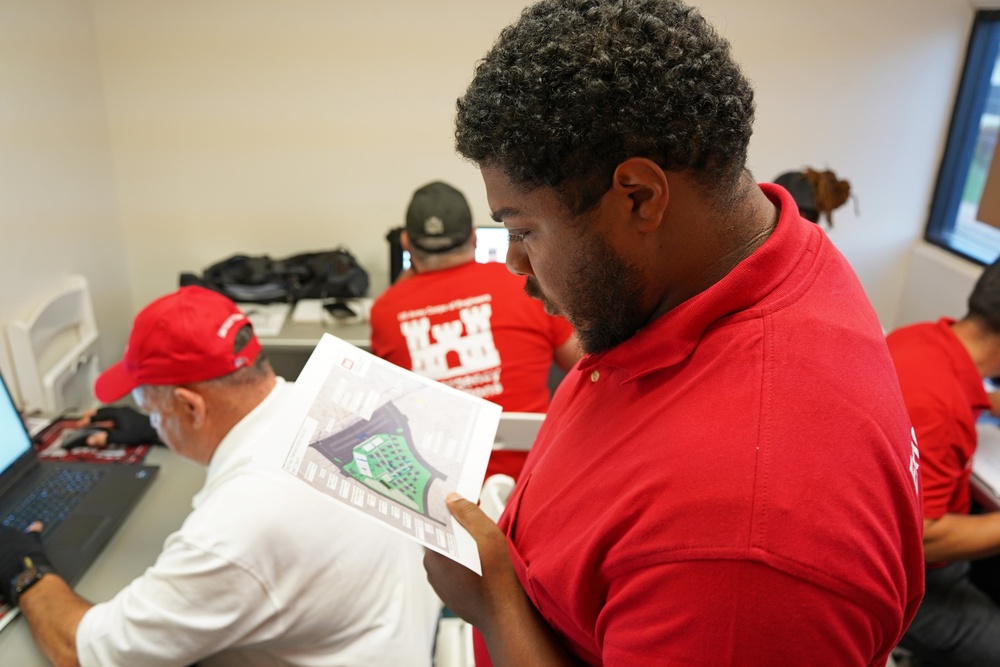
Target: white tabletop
x=305 y=335
x=289 y=350
x=985 y=478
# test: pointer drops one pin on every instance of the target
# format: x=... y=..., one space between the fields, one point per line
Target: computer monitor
x=491 y=246
x=14 y=440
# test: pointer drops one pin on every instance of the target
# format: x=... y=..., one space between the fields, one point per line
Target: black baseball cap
x=439 y=218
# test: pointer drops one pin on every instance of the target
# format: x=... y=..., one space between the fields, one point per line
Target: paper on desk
x=386 y=442
x=986 y=461
x=308 y=310
x=35 y=425
x=266 y=318
x=314 y=311
x=7 y=614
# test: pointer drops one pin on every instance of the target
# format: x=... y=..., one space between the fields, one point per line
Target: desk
x=134 y=547
x=985 y=479
x=304 y=335
x=289 y=350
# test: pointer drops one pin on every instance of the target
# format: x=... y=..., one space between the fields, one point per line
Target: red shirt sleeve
x=944 y=468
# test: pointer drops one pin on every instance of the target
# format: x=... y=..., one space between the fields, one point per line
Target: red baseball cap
x=180 y=338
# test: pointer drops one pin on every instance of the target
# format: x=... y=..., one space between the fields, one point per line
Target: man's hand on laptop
x=121 y=425
x=22 y=561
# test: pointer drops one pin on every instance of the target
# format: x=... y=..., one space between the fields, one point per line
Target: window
x=968 y=155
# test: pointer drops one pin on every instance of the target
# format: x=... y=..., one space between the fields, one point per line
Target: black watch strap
x=29 y=576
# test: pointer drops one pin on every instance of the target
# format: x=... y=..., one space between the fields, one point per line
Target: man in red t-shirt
x=941 y=367
x=467 y=324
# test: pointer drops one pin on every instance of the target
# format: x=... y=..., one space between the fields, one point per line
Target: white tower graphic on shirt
x=454 y=347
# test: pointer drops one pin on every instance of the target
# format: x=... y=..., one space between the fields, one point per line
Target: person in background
x=467 y=324
x=725 y=477
x=941 y=367
x=816 y=193
x=264 y=571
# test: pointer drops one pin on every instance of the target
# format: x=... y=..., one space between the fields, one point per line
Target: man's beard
x=604 y=302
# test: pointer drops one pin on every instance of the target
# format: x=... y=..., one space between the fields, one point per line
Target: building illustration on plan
x=385 y=459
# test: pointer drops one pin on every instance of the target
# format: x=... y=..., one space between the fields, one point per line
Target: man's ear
x=191 y=404
x=645 y=185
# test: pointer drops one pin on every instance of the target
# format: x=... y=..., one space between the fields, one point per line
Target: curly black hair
x=575 y=87
x=984 y=301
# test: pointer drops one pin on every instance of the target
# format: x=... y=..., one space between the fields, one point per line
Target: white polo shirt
x=266 y=571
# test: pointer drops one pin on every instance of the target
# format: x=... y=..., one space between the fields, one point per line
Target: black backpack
x=329 y=274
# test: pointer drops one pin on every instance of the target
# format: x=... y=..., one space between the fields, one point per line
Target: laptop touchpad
x=79 y=532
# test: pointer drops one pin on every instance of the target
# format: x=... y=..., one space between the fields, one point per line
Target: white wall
x=263 y=127
x=281 y=127
x=862 y=87
x=58 y=208
x=938 y=285
x=169 y=135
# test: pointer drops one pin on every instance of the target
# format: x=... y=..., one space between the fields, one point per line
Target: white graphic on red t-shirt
x=459 y=351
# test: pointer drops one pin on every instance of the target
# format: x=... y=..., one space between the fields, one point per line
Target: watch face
x=26 y=580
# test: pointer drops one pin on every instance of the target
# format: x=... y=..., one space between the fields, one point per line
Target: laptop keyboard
x=53 y=499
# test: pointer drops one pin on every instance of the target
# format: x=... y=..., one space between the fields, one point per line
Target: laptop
x=81 y=504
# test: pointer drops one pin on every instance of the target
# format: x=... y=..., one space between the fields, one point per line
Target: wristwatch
x=28 y=577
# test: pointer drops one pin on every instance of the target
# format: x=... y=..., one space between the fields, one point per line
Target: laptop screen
x=491 y=244
x=14 y=440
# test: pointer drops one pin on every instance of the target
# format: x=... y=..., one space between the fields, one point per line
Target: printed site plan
x=388 y=443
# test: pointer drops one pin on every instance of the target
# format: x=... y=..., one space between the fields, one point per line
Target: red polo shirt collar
x=754 y=282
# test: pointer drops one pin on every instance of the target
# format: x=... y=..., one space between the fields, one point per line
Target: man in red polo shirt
x=941 y=366
x=467 y=324
x=728 y=476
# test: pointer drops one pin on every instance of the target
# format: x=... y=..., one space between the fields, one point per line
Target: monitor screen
x=14 y=440
x=491 y=246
